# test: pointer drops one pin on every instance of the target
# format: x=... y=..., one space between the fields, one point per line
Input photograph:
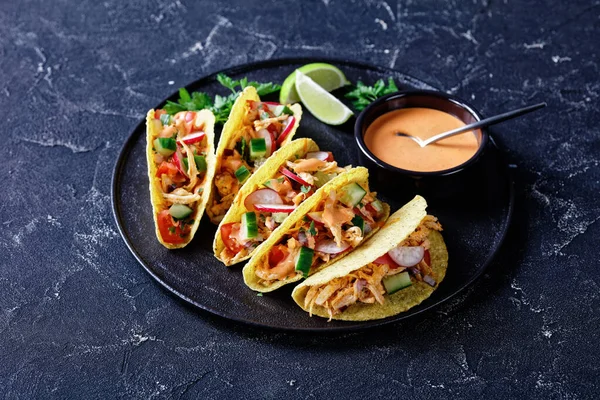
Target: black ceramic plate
x=474 y=223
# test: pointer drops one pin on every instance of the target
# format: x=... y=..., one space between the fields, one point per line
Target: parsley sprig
x=364 y=95
x=221 y=106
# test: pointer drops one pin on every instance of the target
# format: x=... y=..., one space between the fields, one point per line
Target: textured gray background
x=79 y=318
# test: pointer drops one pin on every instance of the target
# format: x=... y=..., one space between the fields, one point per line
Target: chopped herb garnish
x=221 y=106
x=312 y=230
x=259 y=294
x=172 y=229
x=364 y=95
x=305 y=189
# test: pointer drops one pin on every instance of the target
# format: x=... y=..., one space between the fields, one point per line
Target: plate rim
x=365 y=325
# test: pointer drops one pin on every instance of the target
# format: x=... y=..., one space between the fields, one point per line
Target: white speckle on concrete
x=382 y=23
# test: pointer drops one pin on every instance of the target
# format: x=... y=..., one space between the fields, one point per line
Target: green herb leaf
x=312 y=230
x=364 y=95
x=259 y=294
x=221 y=106
x=305 y=189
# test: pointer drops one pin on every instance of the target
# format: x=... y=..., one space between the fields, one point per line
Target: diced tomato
x=230 y=243
x=386 y=259
x=167 y=168
x=170 y=232
x=276 y=255
x=158 y=113
x=427 y=258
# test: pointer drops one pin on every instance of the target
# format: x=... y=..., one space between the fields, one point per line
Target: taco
x=326 y=227
x=179 y=189
x=252 y=133
x=395 y=270
x=288 y=178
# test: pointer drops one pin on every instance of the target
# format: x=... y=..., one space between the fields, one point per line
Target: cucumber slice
x=200 y=163
x=271 y=183
x=280 y=110
x=360 y=222
x=352 y=194
x=258 y=148
x=242 y=174
x=304 y=261
x=249 y=226
x=377 y=206
x=279 y=217
x=165 y=146
x=322 y=178
x=396 y=282
x=165 y=119
x=180 y=211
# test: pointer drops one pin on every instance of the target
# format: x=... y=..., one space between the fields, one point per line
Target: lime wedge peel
x=328 y=76
x=322 y=104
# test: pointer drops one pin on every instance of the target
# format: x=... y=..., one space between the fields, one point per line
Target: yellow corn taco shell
x=233 y=129
x=152 y=131
x=358 y=175
x=398 y=227
x=295 y=149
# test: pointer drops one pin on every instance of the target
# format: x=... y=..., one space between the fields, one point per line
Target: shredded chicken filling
x=365 y=285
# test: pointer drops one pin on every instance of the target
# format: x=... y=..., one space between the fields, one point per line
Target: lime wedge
x=326 y=75
x=322 y=104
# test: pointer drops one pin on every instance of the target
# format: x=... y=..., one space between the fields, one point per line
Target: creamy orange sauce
x=403 y=152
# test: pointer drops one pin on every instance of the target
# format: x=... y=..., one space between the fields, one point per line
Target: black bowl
x=403 y=184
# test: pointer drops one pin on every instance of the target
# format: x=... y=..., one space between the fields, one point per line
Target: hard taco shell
x=358 y=175
x=398 y=227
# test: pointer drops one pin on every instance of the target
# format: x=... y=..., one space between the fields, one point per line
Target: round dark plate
x=475 y=223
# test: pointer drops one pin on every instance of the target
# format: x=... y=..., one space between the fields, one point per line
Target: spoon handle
x=484 y=122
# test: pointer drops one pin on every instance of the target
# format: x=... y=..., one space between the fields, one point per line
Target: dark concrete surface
x=79 y=318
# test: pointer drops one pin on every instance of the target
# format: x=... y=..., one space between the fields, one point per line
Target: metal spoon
x=479 y=124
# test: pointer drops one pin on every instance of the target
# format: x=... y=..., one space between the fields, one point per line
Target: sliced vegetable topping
x=396 y=282
x=320 y=155
x=200 y=163
x=258 y=148
x=360 y=222
x=294 y=177
x=193 y=138
x=289 y=124
x=262 y=196
x=407 y=256
x=352 y=194
x=279 y=217
x=242 y=174
x=226 y=235
x=249 y=226
x=180 y=211
x=330 y=247
x=165 y=146
x=304 y=261
x=275 y=208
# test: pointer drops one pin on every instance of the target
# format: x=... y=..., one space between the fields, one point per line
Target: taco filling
x=266 y=126
x=271 y=203
x=336 y=225
x=395 y=270
x=179 y=151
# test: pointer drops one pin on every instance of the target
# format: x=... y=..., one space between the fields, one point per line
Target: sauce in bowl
x=402 y=152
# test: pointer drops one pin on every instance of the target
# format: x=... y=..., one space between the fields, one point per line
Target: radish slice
x=178 y=161
x=316 y=216
x=294 y=177
x=287 y=128
x=193 y=138
x=279 y=208
x=407 y=256
x=330 y=247
x=319 y=155
x=269 y=140
x=262 y=196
